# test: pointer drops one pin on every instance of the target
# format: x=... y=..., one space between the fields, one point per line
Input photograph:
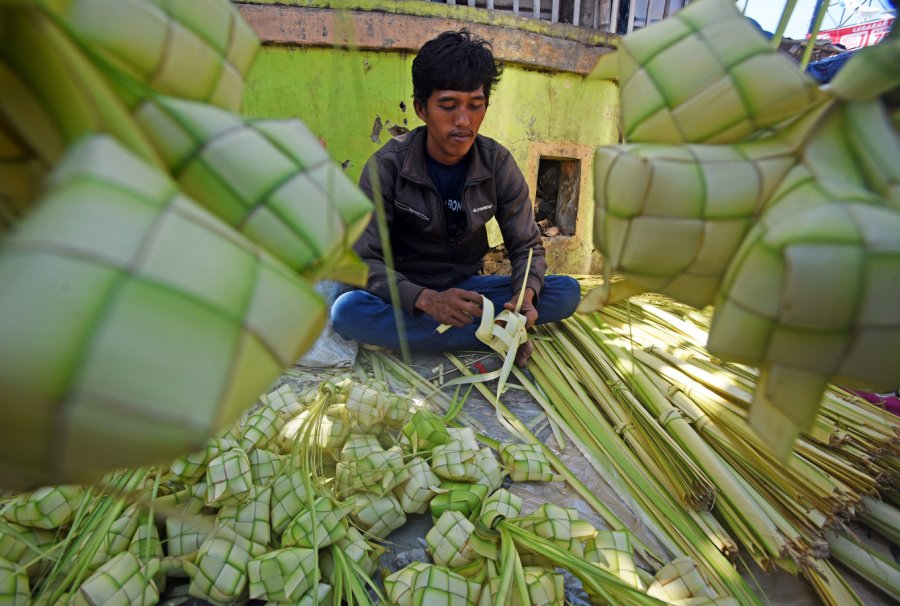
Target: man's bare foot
x=523 y=354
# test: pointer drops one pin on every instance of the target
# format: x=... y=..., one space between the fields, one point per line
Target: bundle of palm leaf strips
x=636 y=383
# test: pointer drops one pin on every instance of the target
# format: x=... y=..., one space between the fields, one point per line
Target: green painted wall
x=340 y=94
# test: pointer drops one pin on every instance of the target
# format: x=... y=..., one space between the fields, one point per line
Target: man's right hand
x=454 y=306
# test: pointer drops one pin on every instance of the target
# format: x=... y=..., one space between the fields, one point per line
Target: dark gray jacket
x=424 y=256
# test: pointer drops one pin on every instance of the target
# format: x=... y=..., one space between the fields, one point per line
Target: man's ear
x=420 y=110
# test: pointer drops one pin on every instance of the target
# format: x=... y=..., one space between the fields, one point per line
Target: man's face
x=452 y=118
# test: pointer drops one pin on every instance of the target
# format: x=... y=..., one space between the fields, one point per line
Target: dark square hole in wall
x=556 y=196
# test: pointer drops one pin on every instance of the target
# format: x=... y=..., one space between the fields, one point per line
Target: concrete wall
x=353 y=98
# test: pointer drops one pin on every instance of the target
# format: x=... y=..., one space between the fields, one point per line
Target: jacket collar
x=414 y=166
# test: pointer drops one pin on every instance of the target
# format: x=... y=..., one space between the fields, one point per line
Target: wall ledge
x=365 y=28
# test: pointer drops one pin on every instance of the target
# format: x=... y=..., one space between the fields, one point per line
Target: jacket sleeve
x=515 y=216
x=369 y=246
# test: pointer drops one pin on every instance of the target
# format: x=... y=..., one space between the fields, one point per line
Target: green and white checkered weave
x=501 y=504
x=488 y=470
x=122 y=581
x=198 y=50
x=466 y=435
x=22 y=545
x=317 y=527
x=611 y=550
x=191 y=468
x=706 y=75
x=288 y=499
x=841 y=334
x=680 y=579
x=283 y=575
x=437 y=586
x=545 y=588
x=426 y=430
x=46 y=507
x=355 y=548
x=774 y=199
x=283 y=400
x=348 y=479
x=379 y=471
x=364 y=404
x=261 y=428
x=216 y=317
x=448 y=541
x=220 y=571
x=249 y=519
x=145 y=543
x=453 y=461
x=377 y=515
x=417 y=491
x=551 y=521
x=395 y=411
x=458 y=496
x=269 y=179
x=722 y=190
x=147 y=546
x=527 y=463
x=358 y=446
x=398 y=585
x=14 y=586
x=185 y=534
x=228 y=478
x=118 y=537
x=388 y=464
x=265 y=466
x=333 y=429
x=291 y=431
x=316 y=596
x=189 y=500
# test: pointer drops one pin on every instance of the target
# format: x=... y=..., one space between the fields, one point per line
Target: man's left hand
x=528 y=309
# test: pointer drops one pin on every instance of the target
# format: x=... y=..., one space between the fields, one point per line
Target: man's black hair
x=454 y=61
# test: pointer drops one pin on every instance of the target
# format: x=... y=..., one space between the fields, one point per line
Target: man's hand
x=528 y=310
x=454 y=306
x=523 y=354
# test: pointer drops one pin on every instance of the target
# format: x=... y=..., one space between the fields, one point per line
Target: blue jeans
x=367 y=318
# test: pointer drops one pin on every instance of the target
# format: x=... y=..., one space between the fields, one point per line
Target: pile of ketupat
x=158 y=248
x=747 y=186
x=292 y=506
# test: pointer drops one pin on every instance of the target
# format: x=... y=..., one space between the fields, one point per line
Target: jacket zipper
x=408 y=209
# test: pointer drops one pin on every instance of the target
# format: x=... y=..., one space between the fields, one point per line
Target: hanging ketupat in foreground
x=746 y=186
x=137 y=322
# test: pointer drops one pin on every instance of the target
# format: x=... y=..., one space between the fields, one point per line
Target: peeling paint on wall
x=376 y=130
x=396 y=130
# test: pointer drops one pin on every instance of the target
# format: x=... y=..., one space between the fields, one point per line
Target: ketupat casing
x=76 y=67
x=140 y=323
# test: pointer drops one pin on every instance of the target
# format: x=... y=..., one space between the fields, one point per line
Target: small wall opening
x=556 y=196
